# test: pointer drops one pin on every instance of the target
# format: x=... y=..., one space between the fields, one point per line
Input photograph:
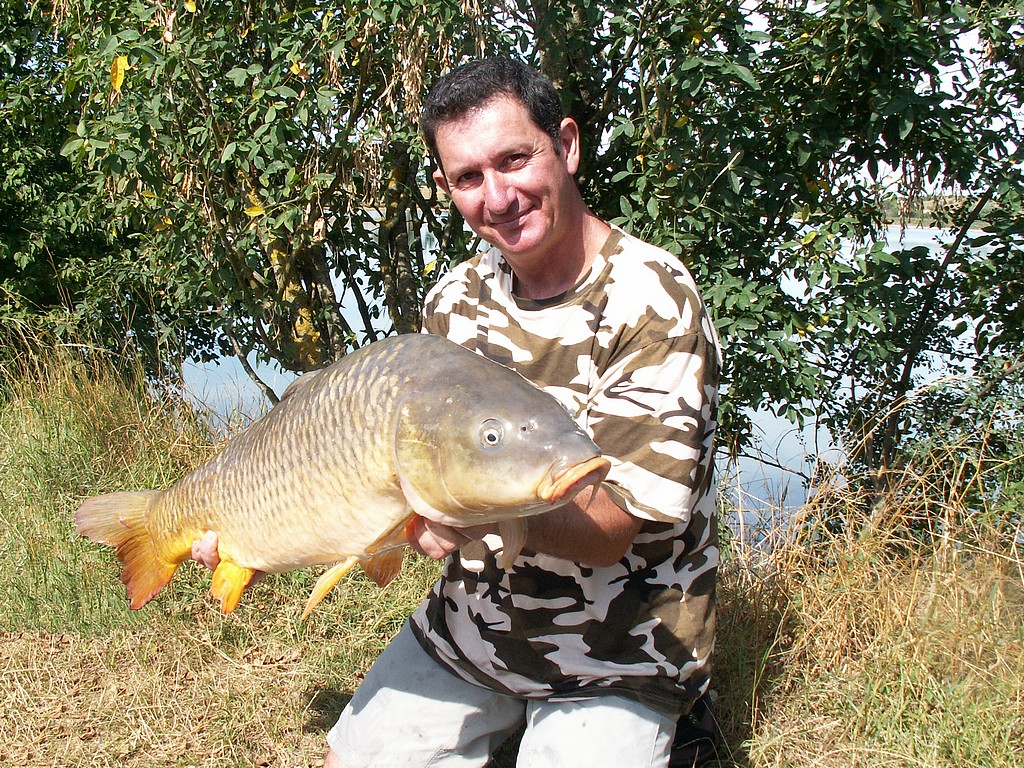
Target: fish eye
x=491 y=432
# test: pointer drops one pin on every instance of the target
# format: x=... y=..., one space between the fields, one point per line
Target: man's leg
x=411 y=713
x=605 y=732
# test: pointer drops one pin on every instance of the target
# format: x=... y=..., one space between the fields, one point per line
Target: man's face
x=508 y=180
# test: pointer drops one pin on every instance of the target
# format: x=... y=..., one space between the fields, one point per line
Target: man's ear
x=441 y=180
x=570 y=141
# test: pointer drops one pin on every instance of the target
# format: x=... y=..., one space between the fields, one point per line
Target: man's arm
x=590 y=530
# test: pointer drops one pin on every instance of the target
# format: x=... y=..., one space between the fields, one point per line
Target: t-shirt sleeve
x=654 y=415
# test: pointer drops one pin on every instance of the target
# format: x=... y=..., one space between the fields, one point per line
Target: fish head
x=488 y=446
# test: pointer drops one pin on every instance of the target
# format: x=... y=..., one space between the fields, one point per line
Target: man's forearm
x=590 y=530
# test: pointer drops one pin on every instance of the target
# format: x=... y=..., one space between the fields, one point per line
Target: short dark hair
x=473 y=84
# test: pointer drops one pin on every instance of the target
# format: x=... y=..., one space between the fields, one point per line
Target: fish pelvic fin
x=513 y=539
x=228 y=582
x=119 y=520
x=382 y=560
x=384 y=567
x=326 y=582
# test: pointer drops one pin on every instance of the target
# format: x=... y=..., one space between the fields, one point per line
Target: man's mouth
x=510 y=222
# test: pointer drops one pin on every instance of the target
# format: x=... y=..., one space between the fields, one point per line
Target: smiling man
x=598 y=638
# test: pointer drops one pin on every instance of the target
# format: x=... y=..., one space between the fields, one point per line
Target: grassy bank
x=859 y=647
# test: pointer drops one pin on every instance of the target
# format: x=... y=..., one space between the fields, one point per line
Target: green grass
x=861 y=648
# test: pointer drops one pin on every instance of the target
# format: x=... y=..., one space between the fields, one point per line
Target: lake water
x=772 y=477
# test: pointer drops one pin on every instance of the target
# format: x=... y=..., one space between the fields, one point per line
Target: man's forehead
x=500 y=124
x=503 y=103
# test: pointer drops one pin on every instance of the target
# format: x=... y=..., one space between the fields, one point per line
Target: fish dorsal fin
x=384 y=567
x=300 y=384
x=324 y=584
x=513 y=539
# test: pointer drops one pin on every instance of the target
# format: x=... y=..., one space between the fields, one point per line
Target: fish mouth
x=564 y=485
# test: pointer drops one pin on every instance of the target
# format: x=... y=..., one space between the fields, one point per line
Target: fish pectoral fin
x=513 y=539
x=395 y=536
x=323 y=585
x=228 y=582
x=382 y=568
x=384 y=556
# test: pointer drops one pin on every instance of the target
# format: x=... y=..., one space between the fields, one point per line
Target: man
x=599 y=637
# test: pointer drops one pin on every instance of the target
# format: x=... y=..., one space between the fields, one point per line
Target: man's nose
x=499 y=194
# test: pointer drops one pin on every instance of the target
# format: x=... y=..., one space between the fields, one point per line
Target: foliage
x=768 y=158
x=46 y=251
x=266 y=154
x=264 y=160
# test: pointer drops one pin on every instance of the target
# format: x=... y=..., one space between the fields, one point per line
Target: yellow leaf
x=117 y=70
x=429 y=268
x=190 y=6
x=255 y=207
x=162 y=224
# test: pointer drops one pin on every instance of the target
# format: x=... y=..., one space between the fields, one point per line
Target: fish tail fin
x=228 y=582
x=119 y=520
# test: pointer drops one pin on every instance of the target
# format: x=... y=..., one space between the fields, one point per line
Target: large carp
x=412 y=424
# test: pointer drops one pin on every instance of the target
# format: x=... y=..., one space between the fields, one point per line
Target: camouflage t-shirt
x=632 y=353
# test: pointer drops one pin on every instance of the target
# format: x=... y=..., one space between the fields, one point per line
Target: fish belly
x=278 y=522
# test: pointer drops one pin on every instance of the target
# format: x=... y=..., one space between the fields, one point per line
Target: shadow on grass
x=325 y=706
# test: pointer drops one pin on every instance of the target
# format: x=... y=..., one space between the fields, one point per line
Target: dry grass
x=894 y=641
x=188 y=687
x=877 y=644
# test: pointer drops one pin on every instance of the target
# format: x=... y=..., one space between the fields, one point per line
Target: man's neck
x=559 y=272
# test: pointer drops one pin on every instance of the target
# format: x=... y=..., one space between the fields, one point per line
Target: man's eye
x=467 y=180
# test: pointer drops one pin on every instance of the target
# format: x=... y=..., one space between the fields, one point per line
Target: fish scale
x=333 y=473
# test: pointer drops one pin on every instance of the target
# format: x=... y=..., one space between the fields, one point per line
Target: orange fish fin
x=326 y=582
x=513 y=539
x=119 y=520
x=228 y=582
x=384 y=567
x=395 y=536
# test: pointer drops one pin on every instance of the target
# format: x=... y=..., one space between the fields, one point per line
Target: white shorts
x=409 y=711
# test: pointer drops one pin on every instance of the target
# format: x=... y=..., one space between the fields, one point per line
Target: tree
x=266 y=156
x=771 y=159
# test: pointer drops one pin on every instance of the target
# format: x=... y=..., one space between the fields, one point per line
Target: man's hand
x=591 y=530
x=205 y=552
x=437 y=540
